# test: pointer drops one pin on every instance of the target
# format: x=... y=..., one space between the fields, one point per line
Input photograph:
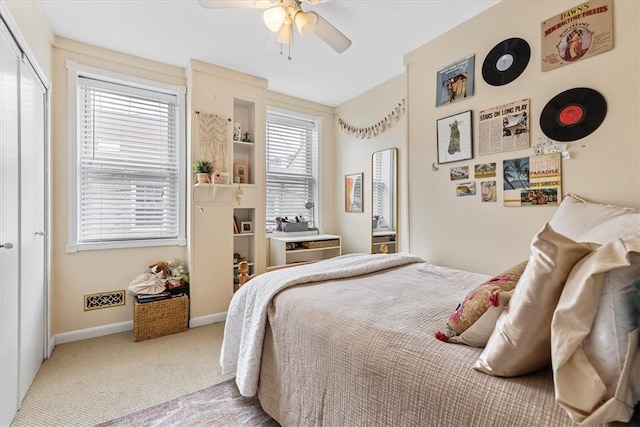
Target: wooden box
x=159 y=318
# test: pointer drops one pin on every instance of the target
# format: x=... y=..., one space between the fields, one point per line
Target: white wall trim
x=115 y=328
x=207 y=320
x=99 y=331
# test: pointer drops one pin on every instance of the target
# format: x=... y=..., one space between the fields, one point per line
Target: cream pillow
x=576 y=216
x=521 y=341
x=594 y=335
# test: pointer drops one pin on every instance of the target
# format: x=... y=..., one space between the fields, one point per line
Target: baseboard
x=207 y=320
x=98 y=331
x=115 y=328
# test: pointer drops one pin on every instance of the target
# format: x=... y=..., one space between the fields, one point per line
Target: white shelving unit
x=243 y=242
x=301 y=249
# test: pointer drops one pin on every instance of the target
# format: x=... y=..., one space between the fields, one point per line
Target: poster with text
x=504 y=128
x=576 y=34
x=455 y=81
x=532 y=181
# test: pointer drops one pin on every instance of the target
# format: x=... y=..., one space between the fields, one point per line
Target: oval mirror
x=384 y=200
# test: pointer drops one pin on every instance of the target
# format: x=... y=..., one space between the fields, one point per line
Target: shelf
x=243 y=234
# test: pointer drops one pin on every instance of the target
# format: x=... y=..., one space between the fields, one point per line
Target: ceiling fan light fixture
x=285 y=34
x=274 y=18
x=306 y=22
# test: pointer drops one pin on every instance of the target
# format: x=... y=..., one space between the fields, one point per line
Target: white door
x=9 y=227
x=32 y=227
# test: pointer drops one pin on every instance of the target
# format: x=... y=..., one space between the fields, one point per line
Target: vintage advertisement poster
x=504 y=128
x=532 y=181
x=576 y=34
x=455 y=81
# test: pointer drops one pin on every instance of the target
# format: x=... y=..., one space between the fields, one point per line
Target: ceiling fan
x=281 y=15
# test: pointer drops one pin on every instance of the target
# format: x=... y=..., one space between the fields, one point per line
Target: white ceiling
x=175 y=31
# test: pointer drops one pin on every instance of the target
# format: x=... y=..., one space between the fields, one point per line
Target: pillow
x=521 y=341
x=478 y=303
x=479 y=332
x=576 y=216
x=594 y=336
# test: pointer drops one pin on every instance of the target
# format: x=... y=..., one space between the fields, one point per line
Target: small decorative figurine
x=246 y=137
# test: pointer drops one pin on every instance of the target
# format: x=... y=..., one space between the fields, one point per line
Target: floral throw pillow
x=477 y=303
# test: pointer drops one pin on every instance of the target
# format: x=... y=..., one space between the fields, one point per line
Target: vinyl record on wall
x=573 y=114
x=506 y=61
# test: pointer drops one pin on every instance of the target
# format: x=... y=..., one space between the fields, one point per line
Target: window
x=292 y=146
x=129 y=152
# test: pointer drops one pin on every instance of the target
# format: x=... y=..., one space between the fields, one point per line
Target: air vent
x=104 y=300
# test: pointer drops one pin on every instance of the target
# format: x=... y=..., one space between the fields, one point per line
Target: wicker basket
x=159 y=318
x=316 y=244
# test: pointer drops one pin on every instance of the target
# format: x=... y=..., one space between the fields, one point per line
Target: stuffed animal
x=160 y=269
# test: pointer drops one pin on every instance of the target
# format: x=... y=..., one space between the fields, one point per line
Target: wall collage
x=571 y=36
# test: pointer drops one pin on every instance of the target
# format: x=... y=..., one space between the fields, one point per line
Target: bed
x=351 y=340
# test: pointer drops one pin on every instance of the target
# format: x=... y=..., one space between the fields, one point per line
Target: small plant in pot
x=203 y=169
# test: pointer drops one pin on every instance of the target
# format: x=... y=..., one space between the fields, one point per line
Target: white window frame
x=74 y=71
x=317 y=120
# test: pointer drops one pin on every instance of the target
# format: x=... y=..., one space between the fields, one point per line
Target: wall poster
x=504 y=128
x=455 y=81
x=578 y=33
x=532 y=181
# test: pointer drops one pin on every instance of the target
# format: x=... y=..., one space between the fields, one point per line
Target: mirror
x=384 y=194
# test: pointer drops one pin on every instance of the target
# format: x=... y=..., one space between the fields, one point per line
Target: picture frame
x=455 y=138
x=246 y=227
x=353 y=192
x=241 y=173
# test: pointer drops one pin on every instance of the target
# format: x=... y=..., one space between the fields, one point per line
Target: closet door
x=32 y=227
x=9 y=227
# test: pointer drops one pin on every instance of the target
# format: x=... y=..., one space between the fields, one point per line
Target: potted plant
x=203 y=169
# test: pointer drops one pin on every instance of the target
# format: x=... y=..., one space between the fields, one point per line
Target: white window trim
x=317 y=167
x=74 y=70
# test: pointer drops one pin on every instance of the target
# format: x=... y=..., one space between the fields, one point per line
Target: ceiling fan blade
x=236 y=4
x=331 y=35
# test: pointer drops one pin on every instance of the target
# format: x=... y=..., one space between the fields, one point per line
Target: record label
x=506 y=61
x=573 y=114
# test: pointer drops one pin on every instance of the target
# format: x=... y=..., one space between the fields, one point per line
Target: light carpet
x=219 y=405
x=88 y=382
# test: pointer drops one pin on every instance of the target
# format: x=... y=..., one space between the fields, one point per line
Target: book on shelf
x=236 y=225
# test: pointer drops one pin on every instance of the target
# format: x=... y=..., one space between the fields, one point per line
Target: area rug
x=218 y=405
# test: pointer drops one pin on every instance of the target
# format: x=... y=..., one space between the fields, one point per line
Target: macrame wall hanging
x=374 y=130
x=213 y=139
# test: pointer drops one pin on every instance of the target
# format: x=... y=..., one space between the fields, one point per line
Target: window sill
x=78 y=247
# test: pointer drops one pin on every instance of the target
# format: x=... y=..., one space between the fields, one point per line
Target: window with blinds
x=129 y=164
x=291 y=157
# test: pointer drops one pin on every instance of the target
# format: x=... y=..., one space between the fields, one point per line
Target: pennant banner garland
x=374 y=130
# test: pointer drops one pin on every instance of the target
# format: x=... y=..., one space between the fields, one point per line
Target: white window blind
x=128 y=163
x=291 y=164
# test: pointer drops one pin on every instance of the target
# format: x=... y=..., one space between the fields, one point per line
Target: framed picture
x=353 y=192
x=246 y=227
x=240 y=173
x=455 y=140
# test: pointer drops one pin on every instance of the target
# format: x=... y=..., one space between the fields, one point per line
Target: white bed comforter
x=247 y=316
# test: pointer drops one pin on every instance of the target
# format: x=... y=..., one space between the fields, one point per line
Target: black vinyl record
x=506 y=61
x=573 y=114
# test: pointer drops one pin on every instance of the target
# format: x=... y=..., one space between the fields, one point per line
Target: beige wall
x=604 y=166
x=353 y=155
x=74 y=275
x=35 y=29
